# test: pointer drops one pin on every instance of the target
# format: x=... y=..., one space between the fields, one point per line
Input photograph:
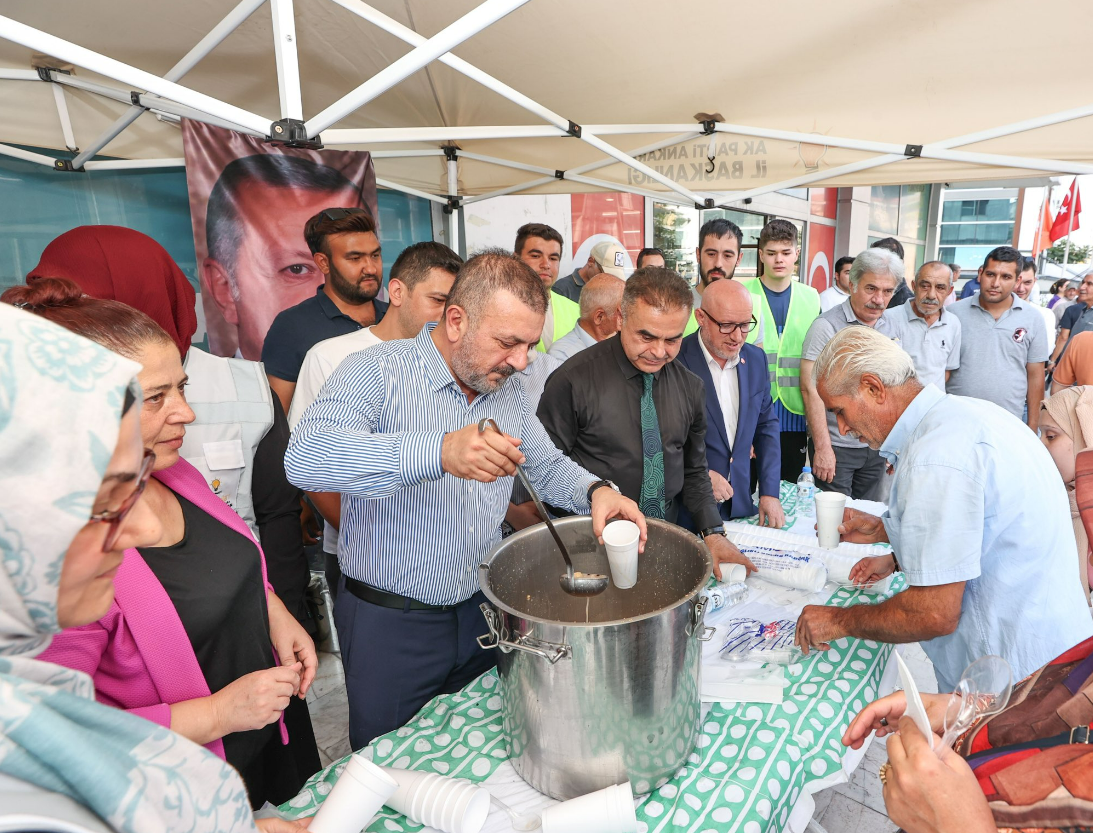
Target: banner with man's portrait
x=249 y=202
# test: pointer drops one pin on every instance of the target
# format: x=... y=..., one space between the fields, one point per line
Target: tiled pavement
x=855 y=807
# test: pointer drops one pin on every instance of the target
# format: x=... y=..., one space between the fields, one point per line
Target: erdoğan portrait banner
x=249 y=202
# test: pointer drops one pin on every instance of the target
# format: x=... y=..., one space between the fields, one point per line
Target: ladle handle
x=482 y=425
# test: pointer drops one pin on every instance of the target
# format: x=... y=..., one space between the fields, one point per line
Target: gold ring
x=883 y=774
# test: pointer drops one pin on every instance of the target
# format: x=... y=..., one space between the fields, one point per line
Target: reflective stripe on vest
x=784 y=352
x=233 y=406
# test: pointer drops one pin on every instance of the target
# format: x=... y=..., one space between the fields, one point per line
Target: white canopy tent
x=703 y=103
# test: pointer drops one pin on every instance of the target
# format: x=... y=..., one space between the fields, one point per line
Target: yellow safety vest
x=784 y=353
x=566 y=315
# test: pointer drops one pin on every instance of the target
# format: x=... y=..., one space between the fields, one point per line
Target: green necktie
x=652 y=454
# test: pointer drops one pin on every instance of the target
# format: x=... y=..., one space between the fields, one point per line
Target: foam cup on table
x=829 y=515
x=452 y=805
x=620 y=539
x=361 y=790
x=733 y=573
x=605 y=811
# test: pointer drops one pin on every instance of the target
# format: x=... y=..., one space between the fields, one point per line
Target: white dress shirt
x=726 y=384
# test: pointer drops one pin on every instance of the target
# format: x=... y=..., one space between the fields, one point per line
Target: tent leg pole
x=288 y=64
x=466 y=27
x=453 y=192
x=31 y=38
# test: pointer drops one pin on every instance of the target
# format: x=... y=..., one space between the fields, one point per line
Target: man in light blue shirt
x=978 y=520
x=600 y=316
x=395 y=431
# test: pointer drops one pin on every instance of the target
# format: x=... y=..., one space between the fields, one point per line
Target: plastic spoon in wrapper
x=984 y=689
x=519 y=821
x=916 y=710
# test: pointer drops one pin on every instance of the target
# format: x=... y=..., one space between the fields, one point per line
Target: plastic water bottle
x=724 y=595
x=806 y=488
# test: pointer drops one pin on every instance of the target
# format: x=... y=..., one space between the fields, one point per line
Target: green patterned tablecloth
x=749 y=767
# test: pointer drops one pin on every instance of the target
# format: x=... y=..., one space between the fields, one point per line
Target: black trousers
x=793 y=454
x=278 y=772
x=396 y=661
x=859 y=473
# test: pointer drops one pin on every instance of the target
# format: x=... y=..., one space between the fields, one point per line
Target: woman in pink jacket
x=190 y=639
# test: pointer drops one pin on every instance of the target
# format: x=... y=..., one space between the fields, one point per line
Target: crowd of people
x=153 y=512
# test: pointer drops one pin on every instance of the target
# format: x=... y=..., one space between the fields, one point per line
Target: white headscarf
x=60 y=407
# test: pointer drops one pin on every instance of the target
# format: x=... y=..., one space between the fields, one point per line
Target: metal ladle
x=585 y=584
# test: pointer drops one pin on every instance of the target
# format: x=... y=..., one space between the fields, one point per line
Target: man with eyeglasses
x=625 y=411
x=345 y=248
x=739 y=411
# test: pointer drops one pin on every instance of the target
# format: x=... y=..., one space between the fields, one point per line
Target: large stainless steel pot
x=596 y=691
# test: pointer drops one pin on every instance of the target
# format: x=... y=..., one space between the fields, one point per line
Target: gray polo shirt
x=934 y=348
x=994 y=354
x=821 y=331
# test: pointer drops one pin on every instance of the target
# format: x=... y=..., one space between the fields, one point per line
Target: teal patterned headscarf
x=60 y=407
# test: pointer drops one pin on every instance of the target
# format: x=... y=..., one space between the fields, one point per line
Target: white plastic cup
x=452 y=805
x=620 y=539
x=605 y=811
x=360 y=791
x=829 y=515
x=733 y=573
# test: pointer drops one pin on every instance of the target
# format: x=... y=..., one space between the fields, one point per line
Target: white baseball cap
x=611 y=258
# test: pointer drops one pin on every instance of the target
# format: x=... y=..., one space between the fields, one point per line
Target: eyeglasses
x=729 y=328
x=116 y=517
x=335 y=214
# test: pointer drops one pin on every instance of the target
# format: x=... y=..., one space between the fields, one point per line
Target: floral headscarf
x=60 y=406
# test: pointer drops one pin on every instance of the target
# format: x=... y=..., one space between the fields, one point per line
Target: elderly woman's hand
x=275 y=825
x=928 y=793
x=889 y=710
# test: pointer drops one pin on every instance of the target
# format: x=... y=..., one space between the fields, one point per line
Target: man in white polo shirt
x=1003 y=341
x=929 y=333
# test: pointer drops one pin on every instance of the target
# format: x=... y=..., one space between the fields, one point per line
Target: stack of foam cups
x=452 y=805
x=620 y=539
x=604 y=811
x=361 y=790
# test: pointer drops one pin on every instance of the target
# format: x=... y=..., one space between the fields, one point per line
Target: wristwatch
x=713 y=530
x=597 y=485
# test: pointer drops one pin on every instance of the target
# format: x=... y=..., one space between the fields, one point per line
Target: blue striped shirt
x=375 y=435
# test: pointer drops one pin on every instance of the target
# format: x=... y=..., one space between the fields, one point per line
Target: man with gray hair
x=600 y=301
x=424 y=491
x=845 y=463
x=978 y=521
x=624 y=409
x=929 y=333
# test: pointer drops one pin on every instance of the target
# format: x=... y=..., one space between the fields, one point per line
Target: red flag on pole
x=1042 y=240
x=1064 y=224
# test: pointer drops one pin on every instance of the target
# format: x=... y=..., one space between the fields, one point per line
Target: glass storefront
x=901 y=211
x=970 y=228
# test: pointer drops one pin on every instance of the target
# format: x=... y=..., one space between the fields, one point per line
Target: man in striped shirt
x=395 y=430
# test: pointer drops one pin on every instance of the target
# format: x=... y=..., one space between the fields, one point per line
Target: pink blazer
x=138 y=654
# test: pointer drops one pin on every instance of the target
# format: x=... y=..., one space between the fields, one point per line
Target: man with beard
x=977 y=521
x=929 y=333
x=626 y=411
x=346 y=249
x=785 y=310
x=843 y=462
x=1004 y=342
x=718 y=255
x=395 y=430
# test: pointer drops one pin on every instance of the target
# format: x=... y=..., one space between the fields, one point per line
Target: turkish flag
x=1062 y=223
x=1042 y=240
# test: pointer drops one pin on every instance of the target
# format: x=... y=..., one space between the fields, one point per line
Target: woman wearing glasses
x=189 y=640
x=70 y=447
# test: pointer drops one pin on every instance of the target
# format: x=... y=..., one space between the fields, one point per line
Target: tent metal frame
x=169 y=100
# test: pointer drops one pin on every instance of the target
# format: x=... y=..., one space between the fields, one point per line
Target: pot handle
x=550 y=651
x=703 y=632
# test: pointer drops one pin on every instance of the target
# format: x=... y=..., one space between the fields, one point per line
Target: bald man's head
x=601 y=298
x=726 y=305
